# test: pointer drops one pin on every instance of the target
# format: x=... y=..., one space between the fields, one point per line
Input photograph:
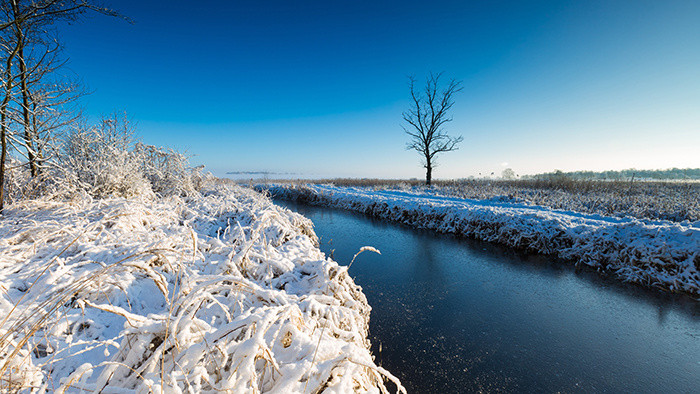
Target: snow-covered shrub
x=168 y=171
x=102 y=160
x=108 y=161
x=51 y=182
x=15 y=178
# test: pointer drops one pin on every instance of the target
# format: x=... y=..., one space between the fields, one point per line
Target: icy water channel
x=453 y=315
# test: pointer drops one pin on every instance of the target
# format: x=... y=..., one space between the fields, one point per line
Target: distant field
x=673 y=200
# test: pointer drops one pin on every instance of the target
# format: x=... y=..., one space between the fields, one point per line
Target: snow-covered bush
x=108 y=161
x=103 y=160
x=51 y=182
x=168 y=171
x=15 y=179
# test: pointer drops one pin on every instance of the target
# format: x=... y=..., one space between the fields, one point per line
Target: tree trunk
x=35 y=130
x=28 y=139
x=3 y=156
x=428 y=172
x=3 y=125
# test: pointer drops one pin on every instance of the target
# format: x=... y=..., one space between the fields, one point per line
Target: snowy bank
x=658 y=254
x=223 y=292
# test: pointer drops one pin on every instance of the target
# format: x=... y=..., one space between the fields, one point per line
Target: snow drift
x=222 y=292
x=659 y=254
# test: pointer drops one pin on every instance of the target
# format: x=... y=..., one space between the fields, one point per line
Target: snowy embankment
x=223 y=292
x=659 y=254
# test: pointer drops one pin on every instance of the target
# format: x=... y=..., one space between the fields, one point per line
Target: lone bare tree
x=428 y=114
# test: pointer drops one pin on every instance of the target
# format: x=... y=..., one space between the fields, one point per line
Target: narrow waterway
x=454 y=315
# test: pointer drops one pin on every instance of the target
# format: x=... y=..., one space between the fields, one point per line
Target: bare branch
x=54 y=9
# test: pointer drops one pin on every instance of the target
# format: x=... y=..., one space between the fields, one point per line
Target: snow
x=654 y=253
x=221 y=292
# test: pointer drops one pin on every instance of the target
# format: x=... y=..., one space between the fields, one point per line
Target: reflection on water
x=454 y=315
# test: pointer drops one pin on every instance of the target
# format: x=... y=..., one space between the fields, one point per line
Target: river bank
x=653 y=253
x=458 y=315
x=223 y=291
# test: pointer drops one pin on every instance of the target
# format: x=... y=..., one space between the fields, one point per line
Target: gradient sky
x=317 y=88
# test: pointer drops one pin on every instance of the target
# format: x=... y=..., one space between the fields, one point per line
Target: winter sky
x=317 y=88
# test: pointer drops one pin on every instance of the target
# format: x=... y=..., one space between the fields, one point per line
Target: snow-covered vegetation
x=104 y=160
x=674 y=201
x=654 y=253
x=123 y=269
x=222 y=291
x=679 y=174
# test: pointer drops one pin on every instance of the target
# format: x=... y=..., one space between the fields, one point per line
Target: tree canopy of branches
x=426 y=118
x=35 y=97
x=33 y=10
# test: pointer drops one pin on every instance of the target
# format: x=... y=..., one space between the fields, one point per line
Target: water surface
x=455 y=315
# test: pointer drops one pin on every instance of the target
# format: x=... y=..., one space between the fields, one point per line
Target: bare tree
x=45 y=104
x=9 y=51
x=29 y=61
x=426 y=118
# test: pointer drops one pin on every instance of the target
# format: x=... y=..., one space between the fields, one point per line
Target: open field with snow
x=654 y=253
x=223 y=291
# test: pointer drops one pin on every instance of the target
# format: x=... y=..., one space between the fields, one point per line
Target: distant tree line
x=630 y=174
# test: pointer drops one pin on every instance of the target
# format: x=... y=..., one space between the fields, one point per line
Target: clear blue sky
x=318 y=87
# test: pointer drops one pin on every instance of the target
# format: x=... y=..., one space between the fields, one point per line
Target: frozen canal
x=454 y=315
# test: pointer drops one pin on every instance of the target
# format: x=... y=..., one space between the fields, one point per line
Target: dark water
x=454 y=315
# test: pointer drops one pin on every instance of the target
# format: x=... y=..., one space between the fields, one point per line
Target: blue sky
x=317 y=88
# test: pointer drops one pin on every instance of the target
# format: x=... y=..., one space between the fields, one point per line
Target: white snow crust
x=654 y=253
x=220 y=293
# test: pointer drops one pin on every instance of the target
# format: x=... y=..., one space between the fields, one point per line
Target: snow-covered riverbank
x=223 y=292
x=658 y=254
